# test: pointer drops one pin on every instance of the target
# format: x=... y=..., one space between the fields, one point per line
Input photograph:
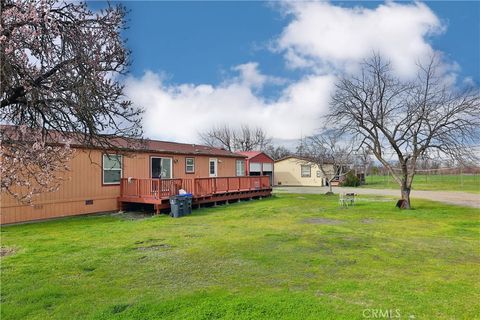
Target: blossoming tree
x=60 y=68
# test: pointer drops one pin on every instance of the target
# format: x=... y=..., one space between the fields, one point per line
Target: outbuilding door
x=267 y=170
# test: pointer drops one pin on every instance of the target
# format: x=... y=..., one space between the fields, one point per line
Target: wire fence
x=460 y=179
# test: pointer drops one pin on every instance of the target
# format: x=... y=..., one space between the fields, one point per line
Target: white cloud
x=321 y=34
x=180 y=112
x=320 y=40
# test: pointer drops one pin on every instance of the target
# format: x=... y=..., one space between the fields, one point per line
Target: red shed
x=258 y=164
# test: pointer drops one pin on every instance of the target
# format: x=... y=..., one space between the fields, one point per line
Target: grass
x=465 y=183
x=289 y=257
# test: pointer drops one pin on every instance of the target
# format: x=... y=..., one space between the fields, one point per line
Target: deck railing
x=150 y=188
x=199 y=187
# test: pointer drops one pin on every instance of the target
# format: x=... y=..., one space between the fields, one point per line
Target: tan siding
x=288 y=173
x=84 y=182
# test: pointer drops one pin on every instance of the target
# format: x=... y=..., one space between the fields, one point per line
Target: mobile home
x=99 y=181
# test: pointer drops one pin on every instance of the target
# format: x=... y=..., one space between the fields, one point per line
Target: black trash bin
x=186 y=203
x=177 y=206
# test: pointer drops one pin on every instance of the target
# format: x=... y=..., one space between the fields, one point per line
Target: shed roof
x=253 y=154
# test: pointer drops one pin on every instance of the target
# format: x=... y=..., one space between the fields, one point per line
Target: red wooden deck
x=204 y=190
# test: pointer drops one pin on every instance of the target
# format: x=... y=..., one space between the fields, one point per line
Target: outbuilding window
x=306 y=171
x=112 y=168
x=240 y=168
x=190 y=165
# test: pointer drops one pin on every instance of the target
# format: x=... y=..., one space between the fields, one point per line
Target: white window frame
x=187 y=166
x=301 y=171
x=110 y=169
x=242 y=167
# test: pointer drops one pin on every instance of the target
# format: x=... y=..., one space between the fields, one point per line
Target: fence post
x=461 y=176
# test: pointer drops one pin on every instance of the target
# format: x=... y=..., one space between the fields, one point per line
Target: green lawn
x=286 y=257
x=465 y=183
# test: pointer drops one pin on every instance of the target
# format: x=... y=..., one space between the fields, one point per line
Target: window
x=240 y=168
x=306 y=171
x=112 y=168
x=189 y=165
x=319 y=174
x=161 y=168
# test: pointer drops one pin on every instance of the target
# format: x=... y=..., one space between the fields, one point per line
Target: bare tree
x=301 y=148
x=219 y=137
x=331 y=153
x=245 y=138
x=363 y=159
x=250 y=138
x=60 y=64
x=278 y=152
x=406 y=119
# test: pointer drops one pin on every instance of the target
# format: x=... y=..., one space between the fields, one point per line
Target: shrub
x=351 y=180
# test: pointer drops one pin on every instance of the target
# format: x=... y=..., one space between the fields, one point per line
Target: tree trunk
x=330 y=185
x=405 y=190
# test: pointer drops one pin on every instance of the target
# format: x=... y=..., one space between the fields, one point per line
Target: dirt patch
x=148 y=241
x=132 y=215
x=367 y=221
x=7 y=251
x=154 y=247
x=325 y=221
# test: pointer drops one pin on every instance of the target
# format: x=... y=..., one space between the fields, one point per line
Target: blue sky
x=202 y=63
x=198 y=41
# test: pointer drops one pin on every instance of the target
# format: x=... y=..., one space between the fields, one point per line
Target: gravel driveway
x=451 y=197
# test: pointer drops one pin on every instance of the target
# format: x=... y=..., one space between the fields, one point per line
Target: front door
x=161 y=167
x=212 y=167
